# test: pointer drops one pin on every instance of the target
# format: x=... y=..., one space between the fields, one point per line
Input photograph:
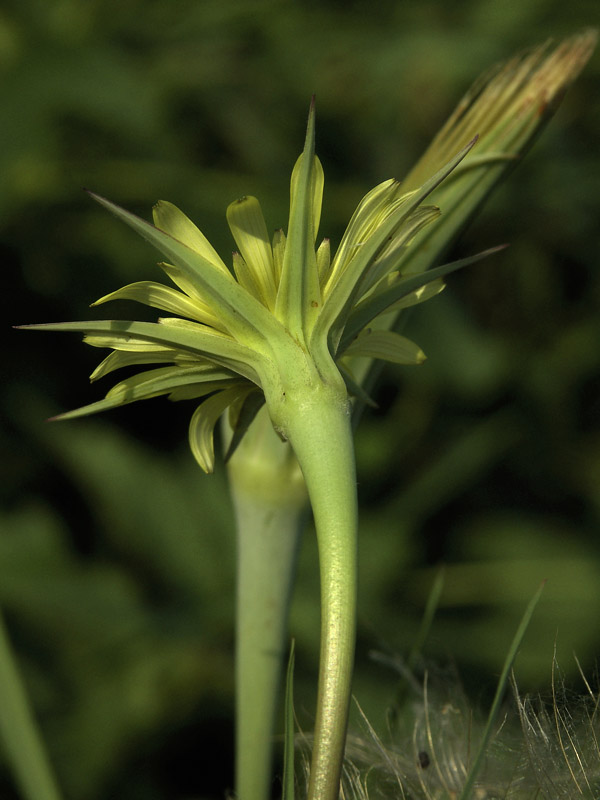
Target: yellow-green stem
x=318 y=427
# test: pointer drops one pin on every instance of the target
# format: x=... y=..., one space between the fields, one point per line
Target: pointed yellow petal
x=323 y=260
x=149 y=384
x=168 y=218
x=246 y=277
x=346 y=289
x=360 y=227
x=180 y=280
x=120 y=359
x=249 y=230
x=203 y=423
x=162 y=297
x=246 y=318
x=278 y=253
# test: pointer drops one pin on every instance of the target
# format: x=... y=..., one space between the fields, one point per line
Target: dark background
x=116 y=552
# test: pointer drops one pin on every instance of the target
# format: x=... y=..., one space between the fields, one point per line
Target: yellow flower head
x=287 y=311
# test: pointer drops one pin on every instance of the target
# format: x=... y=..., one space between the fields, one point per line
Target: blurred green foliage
x=116 y=554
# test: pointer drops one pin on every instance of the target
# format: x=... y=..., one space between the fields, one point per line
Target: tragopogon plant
x=282 y=344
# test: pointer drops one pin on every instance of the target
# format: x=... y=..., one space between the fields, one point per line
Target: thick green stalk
x=317 y=424
x=270 y=507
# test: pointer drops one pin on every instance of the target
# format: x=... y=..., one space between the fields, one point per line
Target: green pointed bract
x=339 y=303
x=360 y=227
x=392 y=251
x=134 y=335
x=243 y=315
x=377 y=302
x=299 y=295
x=386 y=345
x=419 y=295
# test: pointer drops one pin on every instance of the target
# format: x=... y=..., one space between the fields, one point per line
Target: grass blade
x=502 y=683
x=19 y=733
x=288 y=745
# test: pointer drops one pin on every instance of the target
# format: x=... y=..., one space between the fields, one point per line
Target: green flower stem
x=269 y=499
x=317 y=424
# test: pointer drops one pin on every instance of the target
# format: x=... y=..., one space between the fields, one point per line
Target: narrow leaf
x=431 y=606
